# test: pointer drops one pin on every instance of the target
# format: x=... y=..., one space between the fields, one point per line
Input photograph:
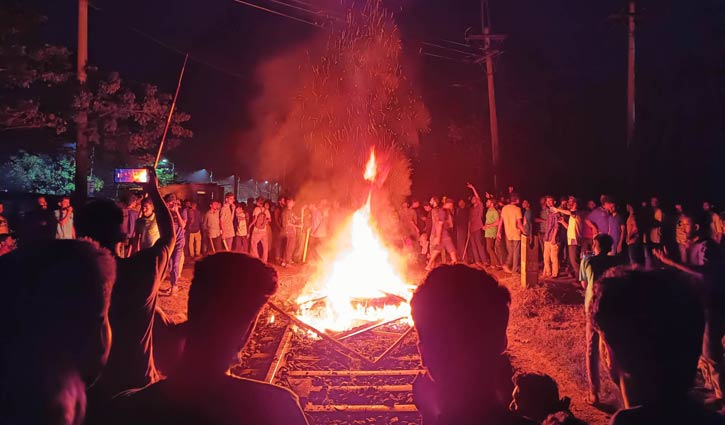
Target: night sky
x=560 y=86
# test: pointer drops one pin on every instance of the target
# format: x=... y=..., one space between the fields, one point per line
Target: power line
x=191 y=57
x=275 y=12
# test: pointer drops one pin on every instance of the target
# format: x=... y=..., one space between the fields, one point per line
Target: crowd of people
x=85 y=341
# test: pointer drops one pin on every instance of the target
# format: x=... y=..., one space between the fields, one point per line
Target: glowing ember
x=371 y=169
x=362 y=273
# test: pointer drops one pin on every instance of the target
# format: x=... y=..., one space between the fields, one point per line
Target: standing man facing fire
x=226 y=220
x=177 y=255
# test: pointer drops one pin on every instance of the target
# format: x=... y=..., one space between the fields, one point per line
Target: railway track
x=362 y=376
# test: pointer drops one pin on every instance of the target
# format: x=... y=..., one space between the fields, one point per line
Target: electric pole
x=82 y=154
x=487 y=54
x=631 y=14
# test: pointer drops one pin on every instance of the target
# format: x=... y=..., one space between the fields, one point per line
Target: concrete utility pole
x=82 y=154
x=631 y=119
x=488 y=53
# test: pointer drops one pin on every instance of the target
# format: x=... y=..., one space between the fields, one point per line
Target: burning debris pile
x=362 y=285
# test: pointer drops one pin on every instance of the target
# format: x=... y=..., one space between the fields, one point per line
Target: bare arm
x=163 y=216
x=681 y=267
x=473 y=188
x=520 y=225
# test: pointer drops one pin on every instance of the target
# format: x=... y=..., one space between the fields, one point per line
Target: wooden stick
x=171 y=113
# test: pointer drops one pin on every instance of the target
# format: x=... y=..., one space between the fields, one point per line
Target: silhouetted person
x=39 y=223
x=131 y=363
x=592 y=268
x=461 y=315
x=54 y=329
x=536 y=396
x=651 y=324
x=227 y=292
x=702 y=259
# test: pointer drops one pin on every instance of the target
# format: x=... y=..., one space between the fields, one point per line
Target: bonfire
x=361 y=283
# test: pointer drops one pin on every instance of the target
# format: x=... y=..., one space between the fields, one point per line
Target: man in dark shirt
x=40 y=223
x=226 y=295
x=193 y=230
x=133 y=301
x=475 y=229
x=461 y=315
x=651 y=324
x=178 y=217
x=591 y=269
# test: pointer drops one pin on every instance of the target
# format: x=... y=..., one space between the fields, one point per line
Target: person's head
x=215 y=205
x=228 y=198
x=490 y=203
x=193 y=205
x=290 y=203
x=514 y=198
x=591 y=205
x=536 y=396
x=132 y=201
x=525 y=204
x=2 y=208
x=511 y=189
x=542 y=202
x=227 y=292
x=415 y=204
x=64 y=202
x=7 y=243
x=651 y=324
x=267 y=205
x=102 y=221
x=282 y=201
x=630 y=209
x=448 y=204
x=608 y=203
x=689 y=226
x=42 y=203
x=475 y=200
x=706 y=206
x=147 y=207
x=654 y=202
x=260 y=201
x=549 y=201
x=170 y=200
x=602 y=244
x=462 y=204
x=427 y=207
x=678 y=208
x=572 y=203
x=60 y=299
x=433 y=202
x=461 y=315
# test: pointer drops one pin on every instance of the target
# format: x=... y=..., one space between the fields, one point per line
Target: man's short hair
x=605 y=242
x=169 y=197
x=606 y=199
x=100 y=220
x=227 y=284
x=458 y=306
x=540 y=393
x=55 y=292
x=653 y=321
x=514 y=197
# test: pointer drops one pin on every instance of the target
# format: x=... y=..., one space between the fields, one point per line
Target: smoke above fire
x=324 y=103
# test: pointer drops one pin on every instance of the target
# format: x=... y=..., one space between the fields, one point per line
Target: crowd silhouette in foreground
x=84 y=341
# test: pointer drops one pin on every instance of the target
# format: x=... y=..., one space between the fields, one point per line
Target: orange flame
x=362 y=269
x=371 y=169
